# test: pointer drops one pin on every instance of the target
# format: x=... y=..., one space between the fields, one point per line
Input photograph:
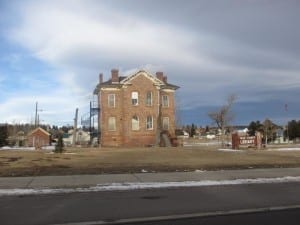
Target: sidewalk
x=75 y=181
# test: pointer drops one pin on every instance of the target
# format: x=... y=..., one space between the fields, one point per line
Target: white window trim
x=137 y=123
x=108 y=99
x=163 y=124
x=137 y=98
x=151 y=102
x=115 y=126
x=163 y=101
x=151 y=128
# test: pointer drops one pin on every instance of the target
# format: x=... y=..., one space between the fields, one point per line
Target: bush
x=59 y=147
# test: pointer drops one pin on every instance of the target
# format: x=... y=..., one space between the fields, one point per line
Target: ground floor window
x=112 y=123
x=135 y=124
x=165 y=123
x=149 y=123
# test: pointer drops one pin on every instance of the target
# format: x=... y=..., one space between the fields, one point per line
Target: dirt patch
x=9 y=159
x=113 y=160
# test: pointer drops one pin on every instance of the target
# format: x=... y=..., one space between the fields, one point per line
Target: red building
x=38 y=138
x=135 y=110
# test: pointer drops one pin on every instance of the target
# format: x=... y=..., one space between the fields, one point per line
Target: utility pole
x=35 y=118
x=287 y=126
x=75 y=127
x=91 y=137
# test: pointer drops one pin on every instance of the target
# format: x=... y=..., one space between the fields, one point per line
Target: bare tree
x=223 y=116
x=269 y=130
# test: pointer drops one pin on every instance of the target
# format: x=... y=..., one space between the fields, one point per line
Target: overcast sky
x=51 y=52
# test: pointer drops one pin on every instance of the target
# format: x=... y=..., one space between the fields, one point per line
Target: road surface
x=281 y=217
x=154 y=204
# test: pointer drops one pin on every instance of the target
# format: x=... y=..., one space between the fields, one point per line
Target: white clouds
x=53 y=109
x=68 y=81
x=56 y=34
x=209 y=54
x=68 y=37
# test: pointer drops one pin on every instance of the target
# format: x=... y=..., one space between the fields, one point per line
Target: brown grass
x=109 y=160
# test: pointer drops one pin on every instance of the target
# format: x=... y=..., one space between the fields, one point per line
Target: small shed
x=38 y=138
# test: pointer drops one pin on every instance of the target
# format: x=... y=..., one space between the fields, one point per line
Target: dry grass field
x=113 y=160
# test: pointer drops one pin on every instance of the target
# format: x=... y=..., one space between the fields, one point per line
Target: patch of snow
x=285 y=149
x=18 y=148
x=187 y=144
x=230 y=150
x=199 y=171
x=70 y=153
x=144 y=171
x=5 y=148
x=147 y=185
x=26 y=148
x=52 y=147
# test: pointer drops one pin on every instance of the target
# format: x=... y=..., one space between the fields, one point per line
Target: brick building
x=135 y=110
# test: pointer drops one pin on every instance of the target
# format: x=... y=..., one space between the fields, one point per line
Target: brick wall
x=124 y=111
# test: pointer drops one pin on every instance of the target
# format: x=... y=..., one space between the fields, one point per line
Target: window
x=149 y=123
x=166 y=123
x=135 y=98
x=111 y=100
x=165 y=101
x=112 y=123
x=149 y=98
x=135 y=123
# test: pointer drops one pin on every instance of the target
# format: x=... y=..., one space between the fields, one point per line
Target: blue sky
x=51 y=52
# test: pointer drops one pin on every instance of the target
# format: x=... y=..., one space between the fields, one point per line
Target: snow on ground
x=284 y=149
x=196 y=144
x=150 y=185
x=52 y=147
x=17 y=148
x=230 y=150
x=26 y=148
x=272 y=149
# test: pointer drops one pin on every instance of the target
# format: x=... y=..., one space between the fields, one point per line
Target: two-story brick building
x=136 y=109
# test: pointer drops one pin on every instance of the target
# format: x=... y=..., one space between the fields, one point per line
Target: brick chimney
x=115 y=76
x=100 y=78
x=160 y=75
x=165 y=79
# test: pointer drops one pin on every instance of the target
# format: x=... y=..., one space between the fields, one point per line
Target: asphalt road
x=157 y=204
x=281 y=217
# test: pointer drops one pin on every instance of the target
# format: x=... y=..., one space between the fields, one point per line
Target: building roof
x=39 y=128
x=125 y=80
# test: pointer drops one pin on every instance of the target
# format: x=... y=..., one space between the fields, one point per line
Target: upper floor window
x=134 y=98
x=149 y=98
x=165 y=123
x=112 y=123
x=111 y=100
x=165 y=101
x=135 y=124
x=149 y=123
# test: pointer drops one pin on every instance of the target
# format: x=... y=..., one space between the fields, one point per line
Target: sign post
x=249 y=141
